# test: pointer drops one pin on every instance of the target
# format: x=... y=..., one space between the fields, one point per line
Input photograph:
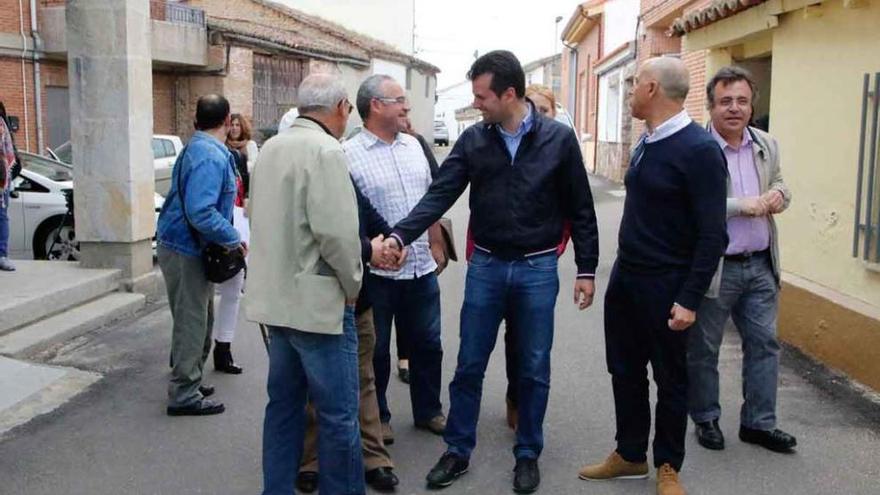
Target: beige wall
x=818 y=65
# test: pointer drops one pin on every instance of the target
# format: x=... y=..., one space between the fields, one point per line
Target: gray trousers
x=191 y=298
x=749 y=295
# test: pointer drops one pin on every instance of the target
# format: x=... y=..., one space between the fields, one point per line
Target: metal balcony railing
x=162 y=10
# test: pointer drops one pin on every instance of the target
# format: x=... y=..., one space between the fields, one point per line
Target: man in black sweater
x=527 y=176
x=672 y=236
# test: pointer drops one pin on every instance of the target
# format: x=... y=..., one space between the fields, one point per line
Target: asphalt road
x=116 y=439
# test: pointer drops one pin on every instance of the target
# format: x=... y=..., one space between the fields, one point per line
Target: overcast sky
x=448 y=31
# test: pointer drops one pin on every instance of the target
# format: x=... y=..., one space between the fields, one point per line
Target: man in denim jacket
x=206 y=176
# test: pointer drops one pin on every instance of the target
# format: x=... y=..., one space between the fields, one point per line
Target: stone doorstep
x=30 y=339
x=40 y=289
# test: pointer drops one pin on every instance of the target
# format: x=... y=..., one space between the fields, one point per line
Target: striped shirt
x=394 y=177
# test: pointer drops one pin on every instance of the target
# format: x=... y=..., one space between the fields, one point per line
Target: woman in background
x=244 y=151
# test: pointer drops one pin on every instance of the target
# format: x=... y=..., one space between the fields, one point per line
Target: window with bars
x=866 y=236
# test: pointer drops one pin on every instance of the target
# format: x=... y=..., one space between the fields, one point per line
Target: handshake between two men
x=387 y=254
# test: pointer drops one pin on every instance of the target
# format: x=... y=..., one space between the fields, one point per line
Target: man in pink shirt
x=749 y=274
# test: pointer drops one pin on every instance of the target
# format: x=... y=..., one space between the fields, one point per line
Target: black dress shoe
x=775 y=440
x=526 y=476
x=206 y=390
x=307 y=481
x=447 y=470
x=381 y=479
x=403 y=374
x=204 y=407
x=709 y=435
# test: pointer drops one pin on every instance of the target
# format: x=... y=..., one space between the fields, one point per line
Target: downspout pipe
x=572 y=80
x=24 y=91
x=38 y=93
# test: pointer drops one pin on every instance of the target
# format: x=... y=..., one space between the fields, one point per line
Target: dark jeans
x=325 y=368
x=4 y=223
x=750 y=296
x=637 y=310
x=413 y=306
x=511 y=363
x=524 y=292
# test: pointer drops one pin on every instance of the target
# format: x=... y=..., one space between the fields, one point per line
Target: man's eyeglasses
x=390 y=101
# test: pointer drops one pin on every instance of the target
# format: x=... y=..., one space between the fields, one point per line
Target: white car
x=165 y=151
x=39 y=226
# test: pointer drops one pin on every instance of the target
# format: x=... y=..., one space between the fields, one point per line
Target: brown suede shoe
x=436 y=425
x=614 y=468
x=667 y=481
x=512 y=415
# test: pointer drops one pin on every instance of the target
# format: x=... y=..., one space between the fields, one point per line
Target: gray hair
x=370 y=89
x=320 y=92
x=672 y=76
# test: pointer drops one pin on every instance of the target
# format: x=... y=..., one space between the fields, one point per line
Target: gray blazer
x=766 y=153
x=305 y=253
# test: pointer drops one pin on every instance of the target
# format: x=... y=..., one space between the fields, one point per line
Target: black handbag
x=220 y=263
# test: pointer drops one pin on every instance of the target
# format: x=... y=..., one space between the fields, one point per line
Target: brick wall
x=12 y=94
x=238 y=85
x=164 y=100
x=11 y=17
x=696 y=100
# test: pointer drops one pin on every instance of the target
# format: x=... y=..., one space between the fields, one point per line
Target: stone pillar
x=111 y=109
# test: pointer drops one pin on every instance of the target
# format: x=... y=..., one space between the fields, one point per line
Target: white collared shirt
x=674 y=124
x=394 y=177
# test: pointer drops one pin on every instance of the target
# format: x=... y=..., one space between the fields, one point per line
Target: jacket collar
x=306 y=122
x=537 y=119
x=204 y=136
x=757 y=142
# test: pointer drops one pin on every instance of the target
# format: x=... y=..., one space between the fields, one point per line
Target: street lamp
x=556 y=35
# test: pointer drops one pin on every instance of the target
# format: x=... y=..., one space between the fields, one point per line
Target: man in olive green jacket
x=303 y=281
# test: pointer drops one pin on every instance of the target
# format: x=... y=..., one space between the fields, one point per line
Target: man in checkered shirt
x=390 y=168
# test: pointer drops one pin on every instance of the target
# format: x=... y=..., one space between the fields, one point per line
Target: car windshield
x=48 y=168
x=64 y=153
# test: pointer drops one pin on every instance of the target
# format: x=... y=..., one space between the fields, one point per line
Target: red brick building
x=655 y=39
x=583 y=46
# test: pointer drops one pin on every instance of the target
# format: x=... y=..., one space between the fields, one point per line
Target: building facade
x=598 y=63
x=818 y=72
x=255 y=52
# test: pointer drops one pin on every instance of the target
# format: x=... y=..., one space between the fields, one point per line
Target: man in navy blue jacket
x=672 y=236
x=527 y=176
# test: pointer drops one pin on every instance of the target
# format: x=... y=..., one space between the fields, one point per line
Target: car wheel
x=56 y=241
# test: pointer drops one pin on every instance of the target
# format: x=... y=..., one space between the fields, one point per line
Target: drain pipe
x=38 y=88
x=27 y=135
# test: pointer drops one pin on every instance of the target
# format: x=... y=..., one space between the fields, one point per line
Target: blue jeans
x=749 y=295
x=524 y=293
x=325 y=368
x=4 y=223
x=414 y=308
